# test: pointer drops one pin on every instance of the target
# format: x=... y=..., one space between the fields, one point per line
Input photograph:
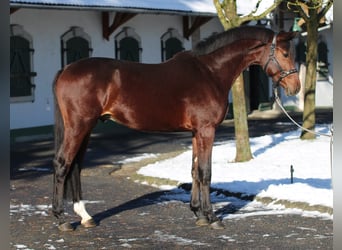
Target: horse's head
x=279 y=64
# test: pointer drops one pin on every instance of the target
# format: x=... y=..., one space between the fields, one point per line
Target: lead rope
x=308 y=130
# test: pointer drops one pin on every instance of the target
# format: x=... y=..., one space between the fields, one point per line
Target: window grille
x=322 y=58
x=21 y=66
x=322 y=61
x=75 y=45
x=171 y=43
x=128 y=45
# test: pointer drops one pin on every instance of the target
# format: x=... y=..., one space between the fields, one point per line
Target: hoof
x=202 y=221
x=65 y=227
x=217 y=225
x=89 y=223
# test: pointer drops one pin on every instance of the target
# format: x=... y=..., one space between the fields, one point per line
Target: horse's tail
x=72 y=184
x=59 y=126
x=59 y=130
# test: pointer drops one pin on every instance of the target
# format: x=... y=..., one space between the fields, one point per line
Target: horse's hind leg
x=67 y=155
x=60 y=171
x=195 y=203
x=79 y=205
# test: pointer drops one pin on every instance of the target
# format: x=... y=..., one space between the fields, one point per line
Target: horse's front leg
x=205 y=139
x=195 y=204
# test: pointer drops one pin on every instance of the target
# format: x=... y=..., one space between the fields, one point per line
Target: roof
x=195 y=7
x=154 y=6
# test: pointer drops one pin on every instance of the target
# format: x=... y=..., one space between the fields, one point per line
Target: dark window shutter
x=301 y=53
x=129 y=49
x=322 y=61
x=323 y=53
x=20 y=67
x=77 y=48
x=172 y=46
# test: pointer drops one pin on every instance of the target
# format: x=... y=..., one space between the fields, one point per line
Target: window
x=301 y=52
x=128 y=45
x=21 y=64
x=322 y=57
x=76 y=44
x=322 y=61
x=171 y=43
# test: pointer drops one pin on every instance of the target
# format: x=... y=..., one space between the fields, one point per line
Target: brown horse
x=186 y=93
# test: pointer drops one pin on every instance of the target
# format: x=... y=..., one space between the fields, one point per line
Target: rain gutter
x=112 y=8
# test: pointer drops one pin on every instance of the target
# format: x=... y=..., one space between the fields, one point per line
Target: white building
x=48 y=34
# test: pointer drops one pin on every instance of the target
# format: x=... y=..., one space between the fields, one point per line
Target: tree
x=229 y=18
x=311 y=13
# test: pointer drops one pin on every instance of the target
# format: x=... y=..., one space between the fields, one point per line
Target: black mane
x=219 y=40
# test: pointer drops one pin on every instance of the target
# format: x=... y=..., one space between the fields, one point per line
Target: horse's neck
x=228 y=62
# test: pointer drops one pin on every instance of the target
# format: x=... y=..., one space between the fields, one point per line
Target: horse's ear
x=286 y=36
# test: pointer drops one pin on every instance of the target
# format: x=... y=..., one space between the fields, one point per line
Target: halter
x=283 y=73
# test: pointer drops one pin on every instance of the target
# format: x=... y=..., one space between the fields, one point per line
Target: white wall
x=213 y=26
x=46 y=28
x=324 y=89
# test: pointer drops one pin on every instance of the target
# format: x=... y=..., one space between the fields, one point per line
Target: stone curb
x=130 y=170
x=295 y=204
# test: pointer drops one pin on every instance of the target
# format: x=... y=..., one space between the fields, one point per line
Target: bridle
x=283 y=73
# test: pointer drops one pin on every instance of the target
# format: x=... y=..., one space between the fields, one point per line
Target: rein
x=307 y=130
x=283 y=73
x=297 y=124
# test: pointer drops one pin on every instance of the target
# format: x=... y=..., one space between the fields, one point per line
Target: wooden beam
x=197 y=23
x=119 y=19
x=12 y=10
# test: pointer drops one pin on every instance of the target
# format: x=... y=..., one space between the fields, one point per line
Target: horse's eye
x=286 y=55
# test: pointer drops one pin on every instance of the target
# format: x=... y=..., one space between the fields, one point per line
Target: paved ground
x=131 y=215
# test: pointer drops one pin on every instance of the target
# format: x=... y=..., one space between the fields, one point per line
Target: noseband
x=283 y=73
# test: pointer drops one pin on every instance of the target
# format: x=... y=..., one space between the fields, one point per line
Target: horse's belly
x=150 y=119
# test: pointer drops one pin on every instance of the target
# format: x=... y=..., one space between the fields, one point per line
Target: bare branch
x=300 y=7
x=250 y=16
x=256 y=7
x=325 y=9
x=221 y=14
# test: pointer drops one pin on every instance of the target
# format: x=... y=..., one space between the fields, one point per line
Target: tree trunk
x=243 y=149
x=309 y=116
x=229 y=18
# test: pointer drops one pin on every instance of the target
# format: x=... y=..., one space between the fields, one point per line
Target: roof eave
x=112 y=8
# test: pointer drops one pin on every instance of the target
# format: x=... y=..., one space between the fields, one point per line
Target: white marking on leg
x=79 y=208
